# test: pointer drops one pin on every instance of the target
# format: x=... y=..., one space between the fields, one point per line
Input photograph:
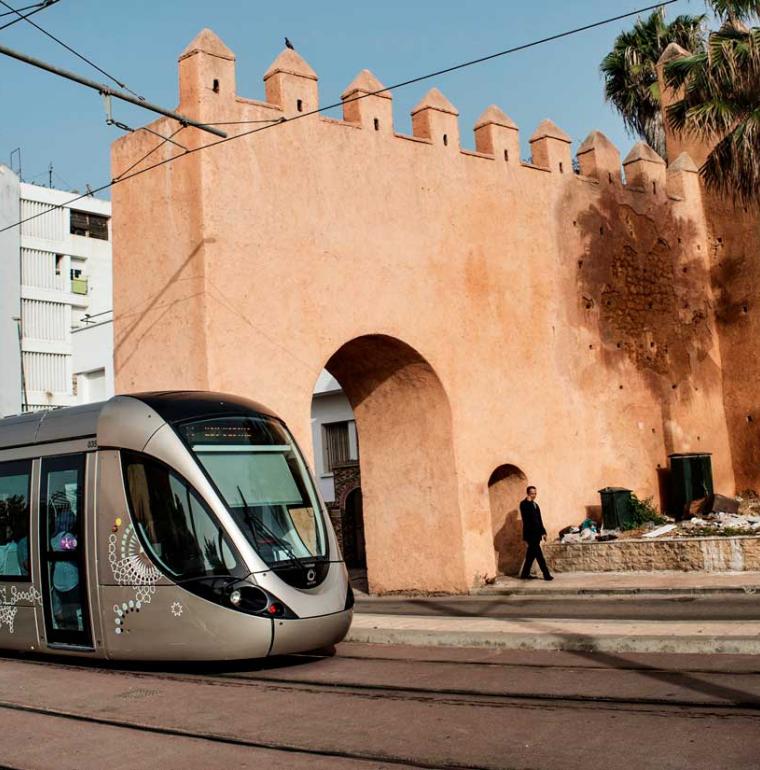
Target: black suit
x=533 y=531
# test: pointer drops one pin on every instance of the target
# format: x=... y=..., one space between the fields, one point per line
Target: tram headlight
x=235 y=597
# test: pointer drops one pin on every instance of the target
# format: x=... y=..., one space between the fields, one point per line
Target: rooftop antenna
x=50 y=175
x=17 y=153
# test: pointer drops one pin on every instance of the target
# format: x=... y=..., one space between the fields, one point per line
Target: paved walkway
x=740 y=637
x=630 y=582
x=565 y=632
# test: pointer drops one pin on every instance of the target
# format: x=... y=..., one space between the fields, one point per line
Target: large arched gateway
x=412 y=525
x=474 y=308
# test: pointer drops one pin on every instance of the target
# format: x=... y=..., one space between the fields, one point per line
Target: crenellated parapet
x=498 y=135
x=367 y=103
x=207 y=90
x=550 y=148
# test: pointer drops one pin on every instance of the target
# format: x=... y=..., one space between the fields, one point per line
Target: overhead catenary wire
x=515 y=49
x=24 y=8
x=71 y=50
x=24 y=17
x=150 y=152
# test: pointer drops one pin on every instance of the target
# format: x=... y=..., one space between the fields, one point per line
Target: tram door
x=62 y=551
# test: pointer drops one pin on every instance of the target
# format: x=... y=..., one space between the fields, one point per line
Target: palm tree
x=720 y=101
x=630 y=71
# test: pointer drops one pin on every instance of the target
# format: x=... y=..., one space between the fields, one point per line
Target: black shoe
x=528 y=577
x=548 y=577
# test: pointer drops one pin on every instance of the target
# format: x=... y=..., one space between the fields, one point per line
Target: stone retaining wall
x=709 y=554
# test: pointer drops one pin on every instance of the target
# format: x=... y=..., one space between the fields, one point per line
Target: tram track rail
x=455 y=696
x=175 y=732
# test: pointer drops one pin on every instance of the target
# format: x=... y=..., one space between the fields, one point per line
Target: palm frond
x=732 y=169
x=630 y=71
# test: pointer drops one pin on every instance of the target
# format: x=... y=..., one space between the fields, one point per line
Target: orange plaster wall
x=526 y=292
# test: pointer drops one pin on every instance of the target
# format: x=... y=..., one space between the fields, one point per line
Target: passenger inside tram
x=14 y=543
x=66 y=601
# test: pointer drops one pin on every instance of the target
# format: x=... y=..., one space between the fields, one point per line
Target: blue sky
x=55 y=121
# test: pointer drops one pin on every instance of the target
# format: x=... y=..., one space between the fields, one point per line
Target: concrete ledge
x=713 y=554
x=656 y=583
x=538 y=634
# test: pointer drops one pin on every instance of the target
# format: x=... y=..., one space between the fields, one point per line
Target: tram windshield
x=259 y=472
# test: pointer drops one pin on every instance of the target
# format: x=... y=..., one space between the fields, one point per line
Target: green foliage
x=736 y=9
x=630 y=71
x=641 y=512
x=721 y=103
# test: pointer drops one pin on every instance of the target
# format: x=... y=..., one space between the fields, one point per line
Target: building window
x=89 y=225
x=339 y=444
x=14 y=519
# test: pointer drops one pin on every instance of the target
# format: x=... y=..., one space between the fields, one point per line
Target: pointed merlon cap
x=207 y=41
x=642 y=151
x=596 y=140
x=435 y=100
x=684 y=163
x=495 y=116
x=672 y=51
x=290 y=63
x=547 y=129
x=366 y=83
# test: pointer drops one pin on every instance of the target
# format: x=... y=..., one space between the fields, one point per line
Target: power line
x=126 y=176
x=71 y=50
x=150 y=152
x=37 y=8
x=25 y=8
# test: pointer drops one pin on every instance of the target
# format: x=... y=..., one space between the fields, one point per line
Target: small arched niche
x=506 y=488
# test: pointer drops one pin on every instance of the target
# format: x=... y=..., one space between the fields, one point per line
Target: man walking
x=533 y=531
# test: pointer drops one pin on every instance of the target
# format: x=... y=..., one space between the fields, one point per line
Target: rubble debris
x=663 y=530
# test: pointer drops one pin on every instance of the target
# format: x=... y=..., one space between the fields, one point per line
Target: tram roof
x=80 y=421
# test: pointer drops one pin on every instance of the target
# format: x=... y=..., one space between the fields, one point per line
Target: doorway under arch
x=412 y=525
x=354 y=551
x=506 y=488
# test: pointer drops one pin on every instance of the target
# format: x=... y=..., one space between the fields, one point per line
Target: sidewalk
x=733 y=637
x=703 y=636
x=580 y=583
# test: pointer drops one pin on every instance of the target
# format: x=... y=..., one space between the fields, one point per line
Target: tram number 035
x=92 y=443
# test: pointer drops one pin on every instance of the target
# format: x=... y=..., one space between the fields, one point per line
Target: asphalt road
x=386 y=707
x=633 y=607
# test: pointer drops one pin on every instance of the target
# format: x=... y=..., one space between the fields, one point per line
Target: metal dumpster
x=690 y=479
x=616 y=507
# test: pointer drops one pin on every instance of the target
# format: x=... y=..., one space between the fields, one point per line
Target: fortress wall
x=567 y=318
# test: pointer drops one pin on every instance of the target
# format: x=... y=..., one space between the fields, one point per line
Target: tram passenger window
x=14 y=519
x=181 y=534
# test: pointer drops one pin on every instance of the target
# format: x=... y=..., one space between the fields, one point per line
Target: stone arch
x=412 y=525
x=506 y=487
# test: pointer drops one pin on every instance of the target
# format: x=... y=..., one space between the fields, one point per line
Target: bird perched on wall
x=290 y=45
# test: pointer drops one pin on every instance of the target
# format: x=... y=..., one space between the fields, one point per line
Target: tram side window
x=181 y=534
x=14 y=519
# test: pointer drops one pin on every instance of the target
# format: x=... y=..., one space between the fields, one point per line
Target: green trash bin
x=690 y=479
x=616 y=507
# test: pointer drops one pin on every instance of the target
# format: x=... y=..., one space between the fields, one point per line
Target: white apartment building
x=55 y=274
x=333 y=432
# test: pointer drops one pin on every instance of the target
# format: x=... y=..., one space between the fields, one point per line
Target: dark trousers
x=533 y=552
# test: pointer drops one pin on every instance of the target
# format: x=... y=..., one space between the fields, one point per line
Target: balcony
x=79 y=286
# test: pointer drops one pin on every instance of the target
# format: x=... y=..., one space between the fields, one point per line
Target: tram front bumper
x=305 y=634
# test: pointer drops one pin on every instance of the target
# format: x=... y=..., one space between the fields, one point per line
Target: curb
x=547 y=641
x=706 y=591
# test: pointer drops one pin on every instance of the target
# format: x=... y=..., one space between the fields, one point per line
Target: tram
x=164 y=526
